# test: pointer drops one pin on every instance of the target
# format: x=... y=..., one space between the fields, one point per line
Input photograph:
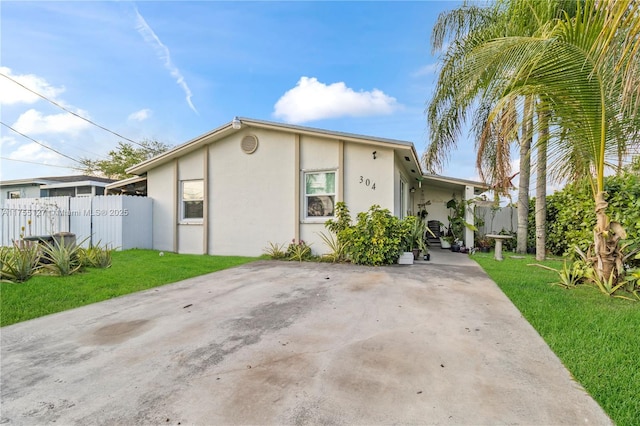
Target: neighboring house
x=250 y=182
x=57 y=186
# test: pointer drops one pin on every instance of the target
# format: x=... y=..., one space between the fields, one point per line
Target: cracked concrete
x=291 y=343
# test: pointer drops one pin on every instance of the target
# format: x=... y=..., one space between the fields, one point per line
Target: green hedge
x=571 y=212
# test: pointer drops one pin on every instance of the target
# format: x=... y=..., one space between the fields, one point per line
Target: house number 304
x=367 y=182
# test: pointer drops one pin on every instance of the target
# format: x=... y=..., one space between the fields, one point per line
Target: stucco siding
x=190 y=238
x=160 y=188
x=251 y=196
x=190 y=166
x=26 y=191
x=368 y=181
x=317 y=153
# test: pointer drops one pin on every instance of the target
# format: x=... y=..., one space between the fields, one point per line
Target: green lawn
x=132 y=270
x=596 y=337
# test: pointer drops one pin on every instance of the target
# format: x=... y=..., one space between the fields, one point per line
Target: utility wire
x=40 y=164
x=40 y=143
x=71 y=112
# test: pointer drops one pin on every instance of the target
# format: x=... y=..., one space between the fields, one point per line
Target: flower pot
x=427 y=256
x=416 y=254
x=455 y=247
x=485 y=249
x=444 y=243
x=406 y=258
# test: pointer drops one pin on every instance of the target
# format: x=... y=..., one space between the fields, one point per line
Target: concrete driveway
x=290 y=343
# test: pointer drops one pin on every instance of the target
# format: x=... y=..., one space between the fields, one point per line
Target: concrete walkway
x=290 y=343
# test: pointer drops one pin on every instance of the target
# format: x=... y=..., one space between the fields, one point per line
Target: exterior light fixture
x=374 y=154
x=236 y=123
x=412 y=190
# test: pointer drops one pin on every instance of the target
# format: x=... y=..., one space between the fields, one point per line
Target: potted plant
x=484 y=243
x=445 y=237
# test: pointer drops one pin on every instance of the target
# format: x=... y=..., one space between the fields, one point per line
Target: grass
x=132 y=270
x=596 y=337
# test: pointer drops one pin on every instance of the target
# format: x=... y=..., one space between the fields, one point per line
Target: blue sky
x=171 y=71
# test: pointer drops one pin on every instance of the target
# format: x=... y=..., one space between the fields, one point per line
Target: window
x=403 y=199
x=62 y=192
x=319 y=194
x=192 y=200
x=13 y=195
x=83 y=190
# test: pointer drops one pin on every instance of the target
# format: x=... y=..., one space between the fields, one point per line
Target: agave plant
x=63 y=257
x=19 y=263
x=275 y=251
x=96 y=256
x=336 y=248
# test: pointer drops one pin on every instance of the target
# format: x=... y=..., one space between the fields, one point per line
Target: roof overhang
x=33 y=182
x=228 y=129
x=447 y=182
x=125 y=182
x=405 y=150
x=73 y=184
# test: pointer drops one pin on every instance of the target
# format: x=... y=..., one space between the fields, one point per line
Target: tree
x=469 y=27
x=586 y=68
x=121 y=158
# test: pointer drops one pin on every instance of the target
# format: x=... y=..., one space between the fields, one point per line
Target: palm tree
x=586 y=68
x=470 y=26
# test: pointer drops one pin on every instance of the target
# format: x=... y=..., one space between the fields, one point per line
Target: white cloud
x=312 y=100
x=34 y=152
x=33 y=122
x=11 y=93
x=141 y=115
x=429 y=69
x=165 y=55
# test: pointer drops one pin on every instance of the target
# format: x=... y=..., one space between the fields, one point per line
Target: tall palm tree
x=470 y=26
x=587 y=70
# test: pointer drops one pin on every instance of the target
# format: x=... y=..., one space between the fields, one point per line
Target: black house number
x=367 y=182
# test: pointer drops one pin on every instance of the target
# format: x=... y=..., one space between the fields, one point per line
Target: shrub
x=19 y=263
x=375 y=239
x=95 y=256
x=337 y=251
x=63 y=257
x=275 y=251
x=298 y=251
x=571 y=213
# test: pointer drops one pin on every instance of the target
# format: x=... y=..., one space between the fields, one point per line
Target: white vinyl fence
x=120 y=221
x=496 y=220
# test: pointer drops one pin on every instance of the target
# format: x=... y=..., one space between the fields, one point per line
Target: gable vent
x=249 y=144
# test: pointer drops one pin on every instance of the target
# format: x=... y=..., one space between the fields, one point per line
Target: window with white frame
x=192 y=200
x=319 y=194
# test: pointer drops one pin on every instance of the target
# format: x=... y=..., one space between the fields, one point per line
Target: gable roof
x=228 y=129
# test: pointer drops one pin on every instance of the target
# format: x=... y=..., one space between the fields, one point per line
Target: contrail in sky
x=163 y=53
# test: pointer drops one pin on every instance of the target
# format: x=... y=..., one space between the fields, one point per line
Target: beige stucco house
x=250 y=182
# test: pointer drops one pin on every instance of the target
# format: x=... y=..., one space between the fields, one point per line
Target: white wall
x=161 y=188
x=190 y=234
x=26 y=191
x=359 y=169
x=251 y=196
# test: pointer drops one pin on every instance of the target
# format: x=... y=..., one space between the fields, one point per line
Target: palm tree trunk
x=605 y=258
x=525 y=174
x=541 y=188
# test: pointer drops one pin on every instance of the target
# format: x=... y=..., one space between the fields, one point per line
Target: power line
x=40 y=143
x=40 y=164
x=71 y=112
